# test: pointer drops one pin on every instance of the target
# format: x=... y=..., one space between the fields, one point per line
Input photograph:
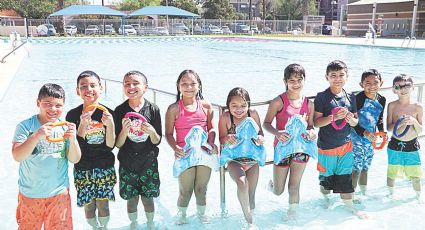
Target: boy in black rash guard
x=370 y=109
x=138 y=141
x=94 y=175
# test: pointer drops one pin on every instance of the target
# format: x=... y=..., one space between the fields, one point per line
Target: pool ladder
x=409 y=40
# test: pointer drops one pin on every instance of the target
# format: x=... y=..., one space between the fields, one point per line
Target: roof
x=163 y=10
x=367 y=2
x=87 y=9
x=9 y=14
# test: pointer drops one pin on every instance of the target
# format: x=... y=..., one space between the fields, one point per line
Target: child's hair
x=238 y=91
x=370 y=72
x=403 y=77
x=137 y=73
x=335 y=66
x=293 y=69
x=189 y=71
x=51 y=90
x=88 y=73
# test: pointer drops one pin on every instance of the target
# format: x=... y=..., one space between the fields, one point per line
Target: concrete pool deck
x=9 y=68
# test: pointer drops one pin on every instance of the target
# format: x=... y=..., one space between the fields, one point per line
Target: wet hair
x=293 y=69
x=189 y=71
x=88 y=73
x=238 y=91
x=336 y=66
x=402 y=77
x=137 y=73
x=371 y=72
x=51 y=90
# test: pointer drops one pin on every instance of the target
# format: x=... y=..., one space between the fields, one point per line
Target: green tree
x=34 y=8
x=218 y=9
x=188 y=5
x=137 y=4
x=295 y=9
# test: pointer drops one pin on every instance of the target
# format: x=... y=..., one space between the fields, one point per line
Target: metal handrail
x=221 y=110
x=13 y=51
x=406 y=38
x=413 y=39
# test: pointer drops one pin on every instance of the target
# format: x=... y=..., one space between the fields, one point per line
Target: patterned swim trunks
x=94 y=184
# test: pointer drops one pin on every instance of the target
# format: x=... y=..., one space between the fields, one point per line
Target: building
x=333 y=10
x=393 y=18
x=242 y=6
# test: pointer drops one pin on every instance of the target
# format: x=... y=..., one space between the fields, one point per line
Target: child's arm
x=380 y=124
x=352 y=119
x=170 y=118
x=310 y=122
x=22 y=150
x=210 y=125
x=390 y=123
x=274 y=106
x=152 y=130
x=122 y=136
x=417 y=121
x=256 y=117
x=222 y=128
x=320 y=120
x=108 y=121
x=73 y=152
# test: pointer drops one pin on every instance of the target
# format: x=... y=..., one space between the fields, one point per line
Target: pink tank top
x=288 y=111
x=187 y=119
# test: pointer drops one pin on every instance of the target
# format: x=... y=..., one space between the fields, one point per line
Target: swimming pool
x=222 y=63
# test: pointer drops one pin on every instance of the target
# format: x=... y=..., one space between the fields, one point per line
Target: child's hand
x=341 y=114
x=214 y=149
x=369 y=135
x=283 y=136
x=349 y=116
x=408 y=120
x=126 y=124
x=231 y=139
x=178 y=152
x=311 y=135
x=71 y=131
x=259 y=140
x=44 y=131
x=148 y=128
x=107 y=119
x=85 y=119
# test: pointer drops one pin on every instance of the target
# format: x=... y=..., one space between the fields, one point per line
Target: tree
x=128 y=5
x=188 y=5
x=295 y=9
x=218 y=9
x=34 y=8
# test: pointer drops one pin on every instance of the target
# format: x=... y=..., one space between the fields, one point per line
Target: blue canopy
x=87 y=9
x=163 y=10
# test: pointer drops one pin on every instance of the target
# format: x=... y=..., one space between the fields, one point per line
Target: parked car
x=128 y=30
x=46 y=30
x=226 y=30
x=255 y=29
x=241 y=29
x=267 y=30
x=138 y=28
x=162 y=31
x=71 y=30
x=197 y=29
x=326 y=29
x=147 y=31
x=109 y=29
x=212 y=30
x=179 y=28
x=91 y=30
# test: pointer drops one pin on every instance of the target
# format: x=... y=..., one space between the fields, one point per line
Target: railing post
x=420 y=93
x=154 y=96
x=106 y=91
x=222 y=182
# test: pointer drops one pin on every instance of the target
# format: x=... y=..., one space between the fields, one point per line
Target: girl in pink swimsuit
x=282 y=108
x=190 y=110
x=244 y=171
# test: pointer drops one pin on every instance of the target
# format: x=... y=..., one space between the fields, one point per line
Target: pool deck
x=9 y=68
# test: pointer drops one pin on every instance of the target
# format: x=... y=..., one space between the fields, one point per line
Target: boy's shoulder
x=30 y=121
x=150 y=105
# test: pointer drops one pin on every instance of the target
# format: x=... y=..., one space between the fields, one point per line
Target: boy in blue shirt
x=335 y=161
x=43 y=164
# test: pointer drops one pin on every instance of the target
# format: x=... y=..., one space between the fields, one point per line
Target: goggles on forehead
x=400 y=87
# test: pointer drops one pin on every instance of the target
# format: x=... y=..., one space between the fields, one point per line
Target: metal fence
x=172 y=26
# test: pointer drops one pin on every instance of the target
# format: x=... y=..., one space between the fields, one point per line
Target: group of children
x=43 y=144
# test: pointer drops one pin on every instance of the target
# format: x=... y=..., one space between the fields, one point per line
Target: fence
x=221 y=108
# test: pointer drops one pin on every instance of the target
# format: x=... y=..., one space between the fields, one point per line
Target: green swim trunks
x=144 y=183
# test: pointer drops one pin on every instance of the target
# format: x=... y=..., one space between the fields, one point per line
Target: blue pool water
x=222 y=63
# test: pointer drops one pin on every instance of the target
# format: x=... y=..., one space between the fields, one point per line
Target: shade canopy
x=163 y=10
x=87 y=9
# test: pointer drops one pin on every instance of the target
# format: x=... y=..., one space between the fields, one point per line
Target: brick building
x=393 y=17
